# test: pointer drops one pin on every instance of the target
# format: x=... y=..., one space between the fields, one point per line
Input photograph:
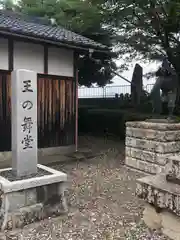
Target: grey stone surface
x=24 y=122
x=154 y=126
x=30 y=196
x=157 y=191
x=28 y=210
x=144 y=166
x=155 y=147
x=158 y=147
x=150 y=134
x=55 y=177
x=151 y=142
x=151 y=218
x=16 y=200
x=147 y=156
x=10 y=176
x=28 y=200
x=164 y=221
x=136 y=85
x=172 y=167
x=170 y=225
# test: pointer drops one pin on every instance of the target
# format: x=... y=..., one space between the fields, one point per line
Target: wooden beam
x=45 y=59
x=11 y=54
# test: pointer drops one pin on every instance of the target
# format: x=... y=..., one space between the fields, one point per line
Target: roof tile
x=18 y=24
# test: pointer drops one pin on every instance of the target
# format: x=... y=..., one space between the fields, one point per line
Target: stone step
x=147 y=167
x=160 y=193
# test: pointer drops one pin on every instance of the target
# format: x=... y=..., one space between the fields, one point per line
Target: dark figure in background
x=167 y=82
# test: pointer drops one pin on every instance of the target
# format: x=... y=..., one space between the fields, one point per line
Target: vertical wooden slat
x=52 y=112
x=8 y=109
x=55 y=112
x=39 y=105
x=5 y=111
x=46 y=117
x=58 y=130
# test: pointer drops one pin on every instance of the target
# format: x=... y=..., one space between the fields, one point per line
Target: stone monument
x=24 y=123
x=29 y=191
x=137 y=85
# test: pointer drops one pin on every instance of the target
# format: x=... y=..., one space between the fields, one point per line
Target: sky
x=147 y=67
x=119 y=85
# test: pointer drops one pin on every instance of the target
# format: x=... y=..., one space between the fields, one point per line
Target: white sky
x=119 y=85
x=147 y=67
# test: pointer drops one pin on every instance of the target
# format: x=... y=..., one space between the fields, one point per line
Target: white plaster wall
x=60 y=62
x=29 y=56
x=4 y=65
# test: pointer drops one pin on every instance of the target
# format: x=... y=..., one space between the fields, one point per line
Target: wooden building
x=27 y=43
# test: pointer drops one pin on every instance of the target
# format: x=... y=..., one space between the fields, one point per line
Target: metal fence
x=107 y=91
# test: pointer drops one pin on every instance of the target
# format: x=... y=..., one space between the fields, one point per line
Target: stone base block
x=153 y=145
x=32 y=199
x=148 y=156
x=146 y=167
x=150 y=144
x=167 y=222
x=160 y=193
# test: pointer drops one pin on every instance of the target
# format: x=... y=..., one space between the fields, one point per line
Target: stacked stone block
x=162 y=193
x=149 y=145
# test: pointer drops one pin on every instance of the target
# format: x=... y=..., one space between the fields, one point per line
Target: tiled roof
x=18 y=24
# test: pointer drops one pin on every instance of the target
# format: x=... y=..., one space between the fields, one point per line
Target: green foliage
x=86 y=18
x=142 y=29
x=148 y=29
x=7 y=4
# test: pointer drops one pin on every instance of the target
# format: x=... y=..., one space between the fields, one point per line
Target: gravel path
x=102 y=204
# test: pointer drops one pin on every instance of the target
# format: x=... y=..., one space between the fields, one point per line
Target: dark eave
x=69 y=45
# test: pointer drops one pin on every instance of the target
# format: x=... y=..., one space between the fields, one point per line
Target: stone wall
x=149 y=145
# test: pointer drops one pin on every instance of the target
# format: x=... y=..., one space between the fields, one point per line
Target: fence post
x=104 y=92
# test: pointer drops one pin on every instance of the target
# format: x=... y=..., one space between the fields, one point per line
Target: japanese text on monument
x=27 y=124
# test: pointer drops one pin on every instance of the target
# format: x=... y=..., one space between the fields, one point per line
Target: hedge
x=107 y=121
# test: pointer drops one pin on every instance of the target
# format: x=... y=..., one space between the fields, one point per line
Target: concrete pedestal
x=31 y=199
x=149 y=145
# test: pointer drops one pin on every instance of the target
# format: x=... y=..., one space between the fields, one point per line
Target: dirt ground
x=101 y=198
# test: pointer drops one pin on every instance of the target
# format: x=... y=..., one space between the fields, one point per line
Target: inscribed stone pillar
x=136 y=85
x=24 y=122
